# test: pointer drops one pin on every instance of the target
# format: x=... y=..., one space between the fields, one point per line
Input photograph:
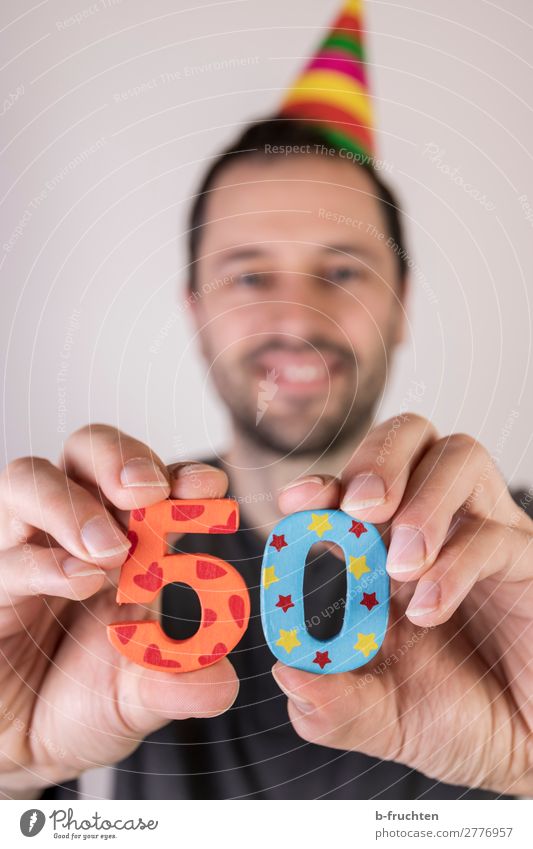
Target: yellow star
x=358 y=566
x=320 y=524
x=366 y=643
x=269 y=576
x=288 y=640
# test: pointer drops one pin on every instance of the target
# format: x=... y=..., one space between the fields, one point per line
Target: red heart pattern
x=139 y=514
x=125 y=633
x=182 y=512
x=207 y=571
x=236 y=607
x=150 y=580
x=218 y=652
x=210 y=617
x=229 y=528
x=134 y=539
x=153 y=655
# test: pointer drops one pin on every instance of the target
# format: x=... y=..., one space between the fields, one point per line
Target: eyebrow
x=246 y=253
x=350 y=249
x=233 y=254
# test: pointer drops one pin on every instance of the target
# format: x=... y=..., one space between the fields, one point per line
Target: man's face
x=298 y=341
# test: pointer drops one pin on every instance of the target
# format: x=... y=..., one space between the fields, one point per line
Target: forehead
x=303 y=198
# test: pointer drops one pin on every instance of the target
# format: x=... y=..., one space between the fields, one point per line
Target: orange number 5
x=221 y=589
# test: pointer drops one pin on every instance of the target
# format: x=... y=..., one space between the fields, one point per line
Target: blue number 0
x=366 y=606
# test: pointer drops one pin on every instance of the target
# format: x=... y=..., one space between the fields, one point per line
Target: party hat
x=332 y=90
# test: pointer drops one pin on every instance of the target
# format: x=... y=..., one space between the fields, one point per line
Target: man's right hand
x=68 y=700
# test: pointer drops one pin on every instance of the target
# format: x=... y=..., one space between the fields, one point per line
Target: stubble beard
x=302 y=433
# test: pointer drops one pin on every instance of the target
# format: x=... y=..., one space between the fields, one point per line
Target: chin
x=283 y=440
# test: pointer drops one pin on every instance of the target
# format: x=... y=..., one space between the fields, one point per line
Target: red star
x=369 y=600
x=284 y=601
x=278 y=541
x=357 y=528
x=322 y=658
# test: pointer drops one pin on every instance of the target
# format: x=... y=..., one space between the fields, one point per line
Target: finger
x=149 y=700
x=127 y=471
x=478 y=549
x=32 y=570
x=143 y=699
x=376 y=477
x=341 y=711
x=119 y=703
x=197 y=480
x=42 y=497
x=444 y=481
x=312 y=492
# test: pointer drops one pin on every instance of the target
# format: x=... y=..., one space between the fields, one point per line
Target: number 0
x=367 y=592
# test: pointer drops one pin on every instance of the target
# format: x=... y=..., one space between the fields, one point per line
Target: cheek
x=363 y=333
x=367 y=324
x=226 y=336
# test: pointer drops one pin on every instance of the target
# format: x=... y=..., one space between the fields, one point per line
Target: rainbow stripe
x=332 y=90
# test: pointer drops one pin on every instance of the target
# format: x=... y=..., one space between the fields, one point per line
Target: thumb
x=351 y=711
x=147 y=699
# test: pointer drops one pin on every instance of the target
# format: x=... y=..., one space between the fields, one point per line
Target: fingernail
x=365 y=490
x=139 y=471
x=74 y=568
x=407 y=550
x=426 y=598
x=102 y=539
x=300 y=703
x=192 y=469
x=309 y=479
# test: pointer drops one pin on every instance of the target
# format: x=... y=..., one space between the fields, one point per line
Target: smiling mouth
x=302 y=374
x=298 y=372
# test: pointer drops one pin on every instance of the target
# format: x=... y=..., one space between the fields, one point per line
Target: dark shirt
x=252 y=750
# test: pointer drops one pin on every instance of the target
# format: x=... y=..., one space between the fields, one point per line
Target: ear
x=192 y=305
x=195 y=316
x=402 y=305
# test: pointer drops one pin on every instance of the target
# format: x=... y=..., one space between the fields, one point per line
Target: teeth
x=302 y=374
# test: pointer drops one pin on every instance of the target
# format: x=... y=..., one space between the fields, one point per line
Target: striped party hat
x=332 y=90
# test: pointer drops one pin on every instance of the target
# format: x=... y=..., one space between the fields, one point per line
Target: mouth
x=297 y=373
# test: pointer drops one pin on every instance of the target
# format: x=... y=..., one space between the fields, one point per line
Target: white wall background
x=106 y=124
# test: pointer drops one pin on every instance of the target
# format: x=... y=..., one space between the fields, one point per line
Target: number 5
x=221 y=589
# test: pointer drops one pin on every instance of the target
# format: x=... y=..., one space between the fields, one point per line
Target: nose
x=299 y=304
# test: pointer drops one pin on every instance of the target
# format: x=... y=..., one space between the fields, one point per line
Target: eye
x=251 y=278
x=344 y=274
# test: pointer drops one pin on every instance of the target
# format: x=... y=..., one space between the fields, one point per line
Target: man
x=449 y=710
x=298 y=340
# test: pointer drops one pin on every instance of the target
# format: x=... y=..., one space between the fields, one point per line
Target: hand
x=450 y=693
x=68 y=700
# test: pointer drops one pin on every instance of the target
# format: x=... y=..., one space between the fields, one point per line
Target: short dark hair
x=293 y=134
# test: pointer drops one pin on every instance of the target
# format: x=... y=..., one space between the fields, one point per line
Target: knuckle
x=415 y=418
x=460 y=441
x=381 y=442
x=91 y=430
x=60 y=504
x=327 y=730
x=104 y=441
x=463 y=443
x=422 y=423
x=306 y=730
x=21 y=468
x=15 y=750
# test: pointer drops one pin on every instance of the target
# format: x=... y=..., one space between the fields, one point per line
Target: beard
x=306 y=433
x=300 y=426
